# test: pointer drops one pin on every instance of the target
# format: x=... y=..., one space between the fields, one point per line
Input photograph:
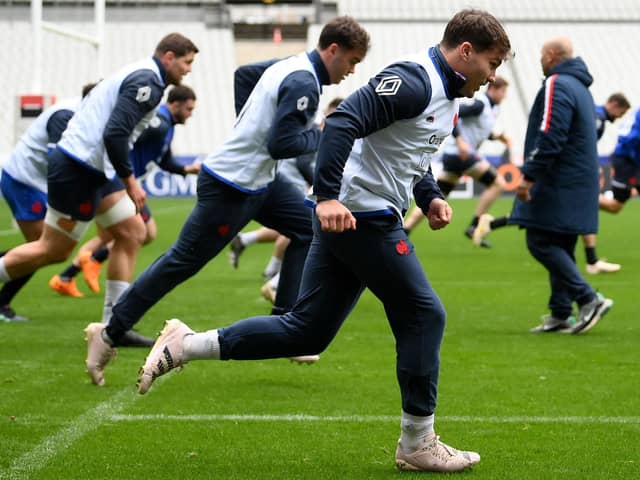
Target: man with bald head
x=557 y=197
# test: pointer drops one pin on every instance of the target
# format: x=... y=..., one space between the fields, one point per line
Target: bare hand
x=523 y=190
x=334 y=216
x=193 y=167
x=439 y=214
x=135 y=192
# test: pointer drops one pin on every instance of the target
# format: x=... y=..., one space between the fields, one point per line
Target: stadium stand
x=397 y=28
x=68 y=64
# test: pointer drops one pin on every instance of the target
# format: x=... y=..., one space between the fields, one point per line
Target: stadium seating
x=600 y=32
x=68 y=64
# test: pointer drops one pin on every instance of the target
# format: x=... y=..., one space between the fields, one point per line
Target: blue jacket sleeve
x=139 y=94
x=57 y=124
x=170 y=164
x=297 y=104
x=553 y=131
x=400 y=91
x=245 y=79
x=426 y=190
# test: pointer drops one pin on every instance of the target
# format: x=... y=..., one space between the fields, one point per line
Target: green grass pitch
x=535 y=406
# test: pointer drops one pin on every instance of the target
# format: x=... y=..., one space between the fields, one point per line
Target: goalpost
x=38 y=25
x=30 y=105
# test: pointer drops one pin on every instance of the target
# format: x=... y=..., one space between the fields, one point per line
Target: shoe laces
x=440 y=449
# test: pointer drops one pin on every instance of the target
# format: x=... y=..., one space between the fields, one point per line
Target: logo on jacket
x=389 y=85
x=144 y=94
x=403 y=248
x=303 y=103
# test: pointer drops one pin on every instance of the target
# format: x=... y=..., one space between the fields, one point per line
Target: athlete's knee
x=490 y=178
x=130 y=232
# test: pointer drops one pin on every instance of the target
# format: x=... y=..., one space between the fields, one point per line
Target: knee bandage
x=74 y=229
x=121 y=210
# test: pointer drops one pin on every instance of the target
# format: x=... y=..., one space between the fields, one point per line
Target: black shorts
x=74 y=189
x=626 y=173
x=454 y=164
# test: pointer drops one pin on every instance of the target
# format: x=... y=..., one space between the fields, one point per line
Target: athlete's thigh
x=219 y=214
x=381 y=255
x=284 y=210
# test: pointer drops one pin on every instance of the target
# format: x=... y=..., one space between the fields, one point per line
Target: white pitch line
x=36 y=459
x=370 y=419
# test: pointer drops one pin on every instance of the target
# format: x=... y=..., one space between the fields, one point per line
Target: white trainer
x=435 y=456
x=167 y=353
x=99 y=352
x=482 y=230
x=305 y=359
x=602 y=267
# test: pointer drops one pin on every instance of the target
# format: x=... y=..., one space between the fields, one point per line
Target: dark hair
x=620 y=99
x=176 y=43
x=346 y=32
x=499 y=82
x=87 y=88
x=479 y=28
x=181 y=93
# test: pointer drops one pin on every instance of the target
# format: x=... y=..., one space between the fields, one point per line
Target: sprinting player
x=625 y=161
x=153 y=147
x=460 y=157
x=615 y=107
x=238 y=184
x=91 y=163
x=358 y=237
x=24 y=184
x=557 y=196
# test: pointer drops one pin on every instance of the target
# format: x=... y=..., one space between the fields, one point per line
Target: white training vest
x=243 y=161
x=28 y=162
x=391 y=161
x=82 y=140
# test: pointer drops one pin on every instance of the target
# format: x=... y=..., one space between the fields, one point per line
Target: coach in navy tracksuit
x=399 y=118
x=557 y=198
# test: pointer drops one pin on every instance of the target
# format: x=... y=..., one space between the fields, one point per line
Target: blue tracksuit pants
x=556 y=253
x=219 y=214
x=339 y=266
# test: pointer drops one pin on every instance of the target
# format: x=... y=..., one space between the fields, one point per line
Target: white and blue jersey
x=402 y=115
x=112 y=116
x=275 y=123
x=475 y=125
x=28 y=161
x=153 y=146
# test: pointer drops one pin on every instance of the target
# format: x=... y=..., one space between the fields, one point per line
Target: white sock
x=248 y=238
x=114 y=289
x=273 y=267
x=204 y=345
x=274 y=281
x=414 y=429
x=4 y=276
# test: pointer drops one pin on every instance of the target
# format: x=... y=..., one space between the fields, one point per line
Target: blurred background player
x=476 y=121
x=24 y=183
x=298 y=172
x=90 y=174
x=153 y=147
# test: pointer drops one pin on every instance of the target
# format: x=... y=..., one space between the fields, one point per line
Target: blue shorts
x=26 y=203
